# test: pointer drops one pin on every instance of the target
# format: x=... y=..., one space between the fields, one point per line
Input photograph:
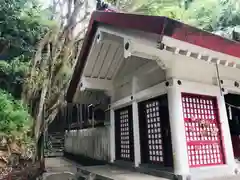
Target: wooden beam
x=141 y=71
x=95 y=83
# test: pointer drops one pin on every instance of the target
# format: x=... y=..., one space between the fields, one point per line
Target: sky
x=91 y=7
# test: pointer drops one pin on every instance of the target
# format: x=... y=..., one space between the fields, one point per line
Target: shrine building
x=171 y=89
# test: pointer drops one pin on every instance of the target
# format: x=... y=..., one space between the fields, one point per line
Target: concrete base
x=107 y=172
x=64 y=169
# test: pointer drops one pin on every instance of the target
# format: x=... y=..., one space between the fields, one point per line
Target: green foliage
x=14 y=118
x=12 y=75
x=217 y=16
x=213 y=15
x=22 y=24
x=169 y=8
x=221 y=17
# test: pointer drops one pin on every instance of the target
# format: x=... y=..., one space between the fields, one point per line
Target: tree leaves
x=21 y=25
x=218 y=16
x=14 y=117
x=52 y=65
x=12 y=75
x=214 y=15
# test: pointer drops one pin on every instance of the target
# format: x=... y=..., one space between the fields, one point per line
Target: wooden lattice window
x=154 y=131
x=124 y=131
x=124 y=134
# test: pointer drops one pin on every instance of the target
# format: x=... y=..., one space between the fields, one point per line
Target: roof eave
x=150 y=24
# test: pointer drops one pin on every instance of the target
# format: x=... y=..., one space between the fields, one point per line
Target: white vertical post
x=227 y=141
x=179 y=146
x=137 y=155
x=93 y=117
x=135 y=116
x=112 y=136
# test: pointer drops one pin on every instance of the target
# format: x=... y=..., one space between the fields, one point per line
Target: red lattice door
x=203 y=132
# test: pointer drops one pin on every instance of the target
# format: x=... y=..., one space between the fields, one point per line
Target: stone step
x=58 y=176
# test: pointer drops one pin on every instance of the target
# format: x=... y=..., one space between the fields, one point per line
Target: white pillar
x=137 y=155
x=136 y=137
x=112 y=136
x=227 y=141
x=179 y=146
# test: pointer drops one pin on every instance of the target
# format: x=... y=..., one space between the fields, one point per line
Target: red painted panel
x=203 y=132
x=206 y=40
x=236 y=146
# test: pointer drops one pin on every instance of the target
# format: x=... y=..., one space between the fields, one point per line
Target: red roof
x=151 y=24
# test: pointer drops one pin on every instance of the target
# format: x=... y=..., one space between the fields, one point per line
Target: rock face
x=14 y=157
x=5 y=154
x=25 y=170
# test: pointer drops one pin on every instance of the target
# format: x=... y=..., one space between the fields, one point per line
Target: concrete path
x=58 y=176
x=60 y=164
x=114 y=173
x=226 y=178
x=64 y=169
x=59 y=169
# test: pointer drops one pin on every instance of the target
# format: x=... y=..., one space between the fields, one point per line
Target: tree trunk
x=40 y=151
x=40 y=115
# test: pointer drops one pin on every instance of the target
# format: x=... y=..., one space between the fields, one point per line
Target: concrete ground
x=59 y=169
x=226 y=178
x=115 y=173
x=64 y=169
x=60 y=164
